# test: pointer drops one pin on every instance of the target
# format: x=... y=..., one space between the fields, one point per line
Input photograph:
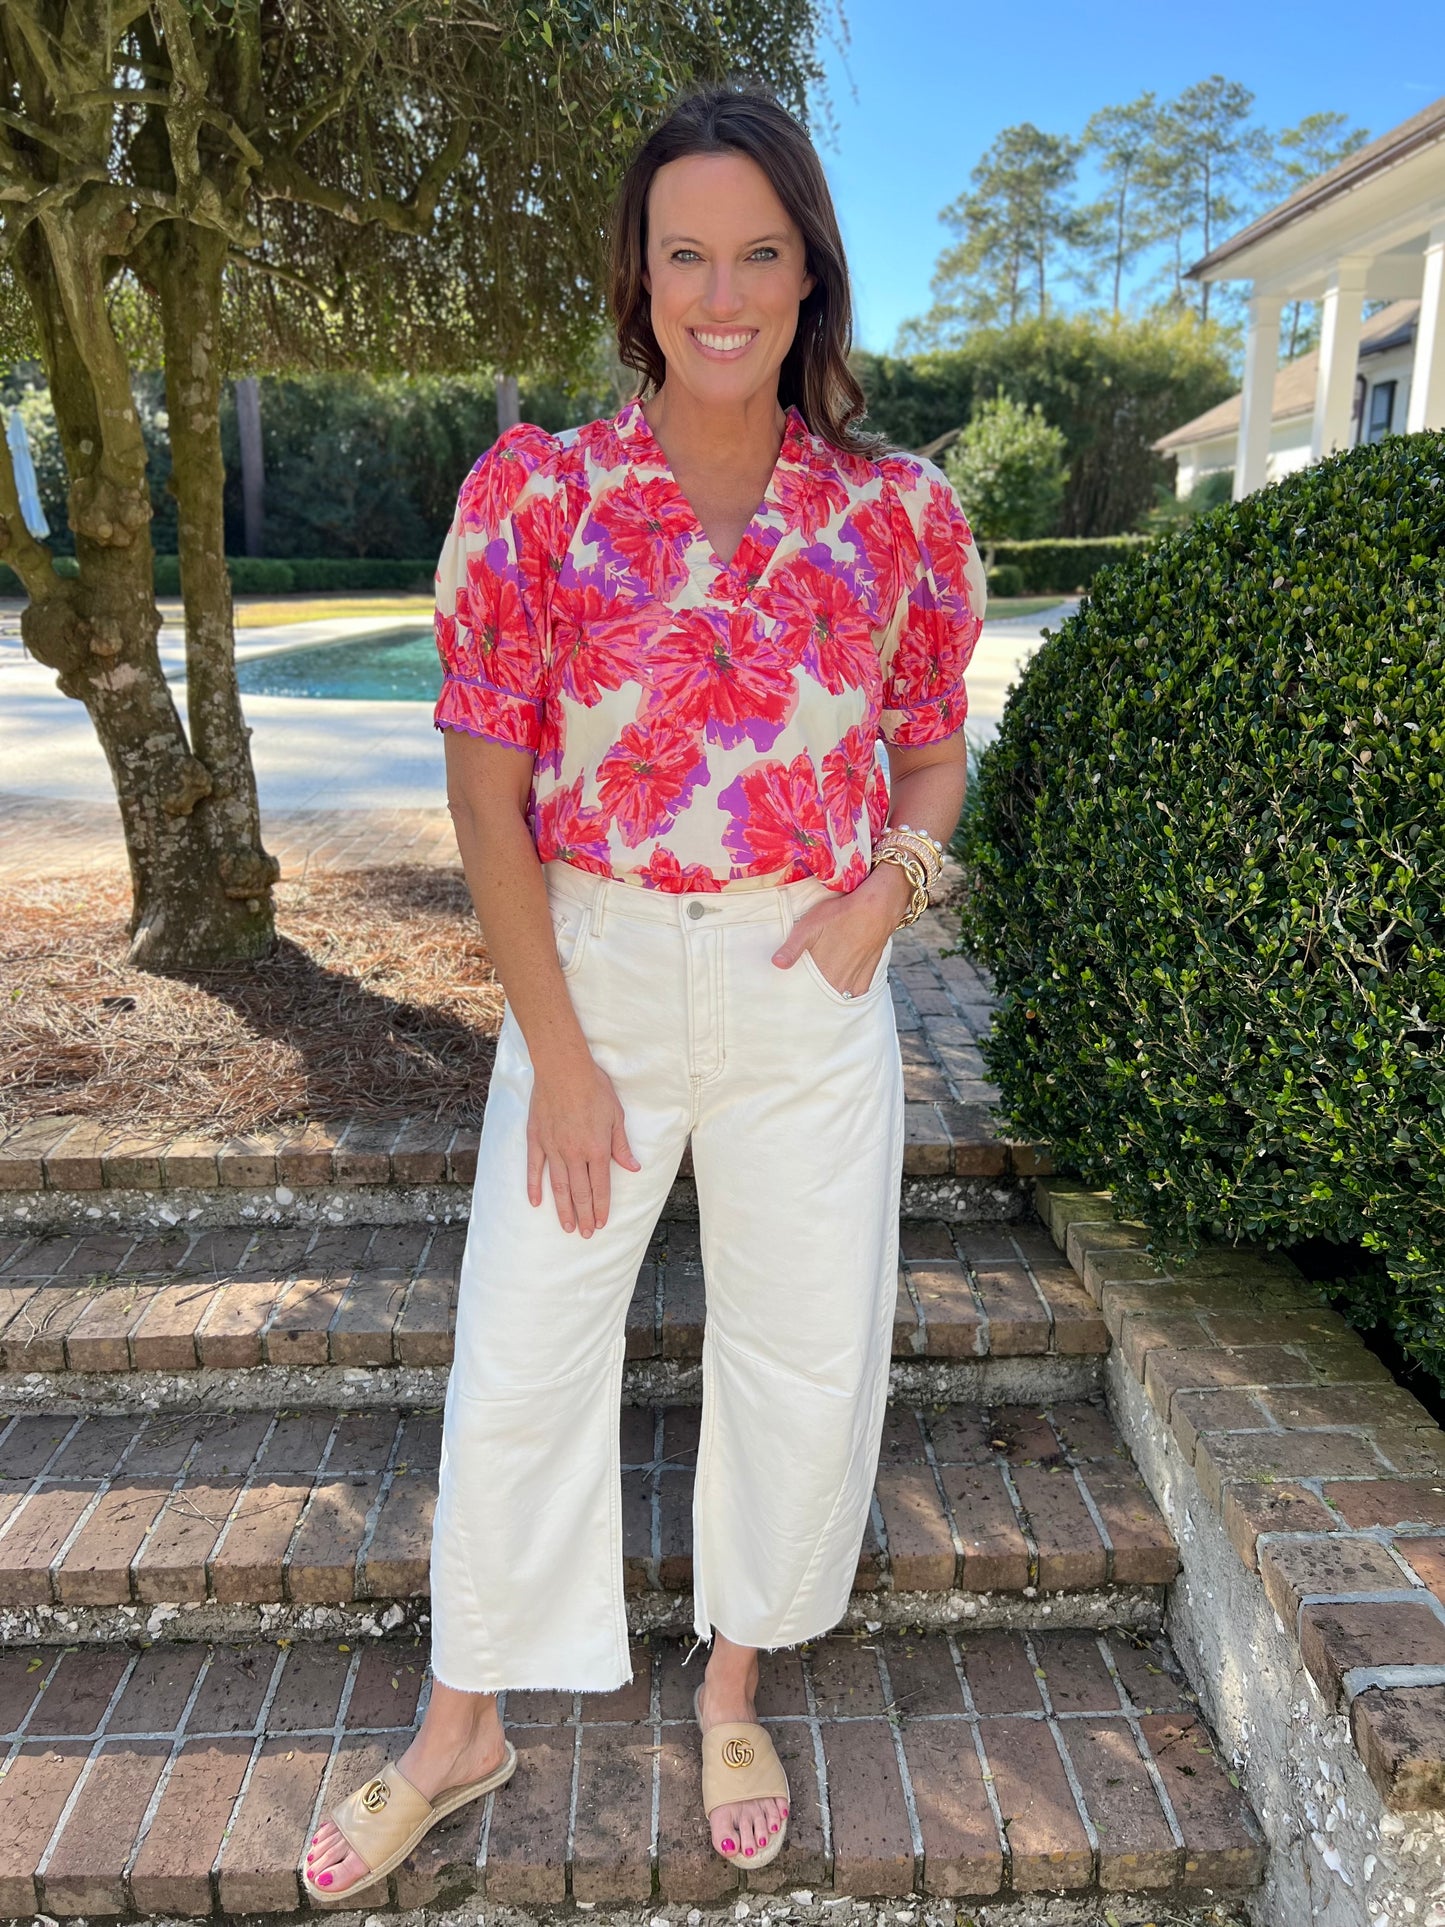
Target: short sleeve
x=491 y=630
x=927 y=645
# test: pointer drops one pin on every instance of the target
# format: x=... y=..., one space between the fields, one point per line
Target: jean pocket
x=570 y=922
x=877 y=983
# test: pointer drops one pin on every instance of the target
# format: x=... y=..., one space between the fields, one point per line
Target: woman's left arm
x=846 y=935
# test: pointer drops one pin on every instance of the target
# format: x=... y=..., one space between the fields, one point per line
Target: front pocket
x=569 y=927
x=876 y=986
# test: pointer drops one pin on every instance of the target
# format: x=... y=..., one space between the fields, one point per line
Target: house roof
x=1421 y=130
x=1294 y=383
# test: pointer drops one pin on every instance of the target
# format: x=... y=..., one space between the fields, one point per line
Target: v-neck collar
x=762 y=533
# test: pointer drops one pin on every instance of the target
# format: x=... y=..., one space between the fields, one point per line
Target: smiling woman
x=673 y=640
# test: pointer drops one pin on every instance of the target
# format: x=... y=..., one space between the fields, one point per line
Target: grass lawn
x=1002 y=607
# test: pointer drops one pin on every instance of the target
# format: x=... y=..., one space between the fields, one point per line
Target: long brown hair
x=743 y=116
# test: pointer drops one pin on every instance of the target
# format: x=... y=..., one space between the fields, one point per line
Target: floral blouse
x=699 y=725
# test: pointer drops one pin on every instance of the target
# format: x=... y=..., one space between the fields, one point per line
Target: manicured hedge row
x=1061 y=567
x=266 y=575
x=1207 y=867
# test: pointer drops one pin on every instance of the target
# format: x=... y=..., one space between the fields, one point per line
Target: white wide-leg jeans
x=793 y=1097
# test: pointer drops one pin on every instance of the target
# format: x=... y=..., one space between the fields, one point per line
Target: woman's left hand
x=846 y=934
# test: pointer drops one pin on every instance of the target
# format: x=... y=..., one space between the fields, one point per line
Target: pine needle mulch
x=379 y=1001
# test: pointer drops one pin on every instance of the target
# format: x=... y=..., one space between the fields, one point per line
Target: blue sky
x=924 y=87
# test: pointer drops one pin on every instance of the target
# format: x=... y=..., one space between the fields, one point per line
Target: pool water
x=400 y=665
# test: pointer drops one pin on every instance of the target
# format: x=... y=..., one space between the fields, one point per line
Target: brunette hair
x=743 y=116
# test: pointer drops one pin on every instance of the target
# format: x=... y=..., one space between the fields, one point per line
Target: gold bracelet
x=913 y=870
x=900 y=836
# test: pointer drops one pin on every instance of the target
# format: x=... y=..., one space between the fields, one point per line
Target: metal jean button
x=696 y=909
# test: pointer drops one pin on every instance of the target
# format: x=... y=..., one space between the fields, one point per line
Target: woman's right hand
x=575 y=1128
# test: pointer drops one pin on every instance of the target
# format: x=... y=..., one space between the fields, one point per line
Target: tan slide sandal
x=384 y=1820
x=740 y=1762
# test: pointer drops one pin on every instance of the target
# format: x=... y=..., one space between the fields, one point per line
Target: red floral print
x=696 y=724
x=777 y=819
x=647 y=776
x=723 y=676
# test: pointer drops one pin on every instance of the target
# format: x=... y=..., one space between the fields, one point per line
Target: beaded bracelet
x=917 y=843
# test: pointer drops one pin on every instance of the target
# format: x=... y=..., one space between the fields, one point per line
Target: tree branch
x=333 y=102
x=152 y=97
x=283 y=179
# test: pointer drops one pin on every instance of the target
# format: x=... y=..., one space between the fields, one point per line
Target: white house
x=1209 y=443
x=1370 y=230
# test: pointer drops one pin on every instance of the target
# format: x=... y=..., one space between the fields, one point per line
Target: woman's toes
x=328 y=1858
x=341 y=1873
x=725 y=1830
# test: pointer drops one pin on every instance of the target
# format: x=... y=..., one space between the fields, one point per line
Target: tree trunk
x=187 y=263
x=99 y=631
x=253 y=467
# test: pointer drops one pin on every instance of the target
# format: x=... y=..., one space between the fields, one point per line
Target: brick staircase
x=217 y=1466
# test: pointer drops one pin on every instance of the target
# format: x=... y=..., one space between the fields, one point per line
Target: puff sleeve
x=491 y=596
x=927 y=645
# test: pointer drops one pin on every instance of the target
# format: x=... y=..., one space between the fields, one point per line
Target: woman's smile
x=723 y=344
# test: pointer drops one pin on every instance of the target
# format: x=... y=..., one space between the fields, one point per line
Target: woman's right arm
x=575 y=1127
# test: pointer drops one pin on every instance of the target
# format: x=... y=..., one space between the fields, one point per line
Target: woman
x=672 y=640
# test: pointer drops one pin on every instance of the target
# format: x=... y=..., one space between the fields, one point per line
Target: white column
x=1427 y=376
x=1261 y=358
x=1340 y=317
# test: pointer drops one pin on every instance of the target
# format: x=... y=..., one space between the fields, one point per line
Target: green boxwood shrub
x=1006 y=580
x=1064 y=565
x=1207 y=862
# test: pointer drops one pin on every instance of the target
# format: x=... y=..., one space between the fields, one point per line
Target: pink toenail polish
x=730 y=1846
x=323 y=1880
x=773 y=1828
x=749 y=1852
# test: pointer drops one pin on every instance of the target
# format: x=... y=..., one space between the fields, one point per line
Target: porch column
x=1427 y=376
x=1261 y=358
x=1340 y=316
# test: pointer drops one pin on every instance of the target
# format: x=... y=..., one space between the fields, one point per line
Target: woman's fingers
x=579 y=1180
x=536 y=1165
x=621 y=1149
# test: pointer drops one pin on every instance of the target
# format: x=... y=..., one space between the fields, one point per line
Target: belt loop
x=601 y=886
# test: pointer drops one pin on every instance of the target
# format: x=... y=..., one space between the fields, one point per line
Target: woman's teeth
x=723 y=343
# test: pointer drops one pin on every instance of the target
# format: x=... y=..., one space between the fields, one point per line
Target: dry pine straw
x=379 y=1000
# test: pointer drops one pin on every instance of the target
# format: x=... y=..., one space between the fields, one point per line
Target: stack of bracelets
x=918 y=855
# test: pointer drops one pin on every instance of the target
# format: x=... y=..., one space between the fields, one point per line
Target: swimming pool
x=399 y=665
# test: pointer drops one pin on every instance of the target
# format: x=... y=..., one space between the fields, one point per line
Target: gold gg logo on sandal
x=376 y=1796
x=737 y=1753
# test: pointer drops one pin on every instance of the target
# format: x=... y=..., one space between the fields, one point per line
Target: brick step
x=264 y=1318
x=318 y=1522
x=184 y=1781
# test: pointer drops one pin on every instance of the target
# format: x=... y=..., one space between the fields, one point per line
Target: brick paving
x=322 y=1507
x=185 y=1780
x=385 y=1296
x=1329 y=1477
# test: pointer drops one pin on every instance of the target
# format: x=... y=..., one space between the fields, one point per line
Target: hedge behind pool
x=1207 y=860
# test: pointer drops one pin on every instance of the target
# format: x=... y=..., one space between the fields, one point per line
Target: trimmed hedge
x=264 y=575
x=1006 y=580
x=1063 y=566
x=1207 y=858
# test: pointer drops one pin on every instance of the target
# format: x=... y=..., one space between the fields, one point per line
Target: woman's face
x=726 y=269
